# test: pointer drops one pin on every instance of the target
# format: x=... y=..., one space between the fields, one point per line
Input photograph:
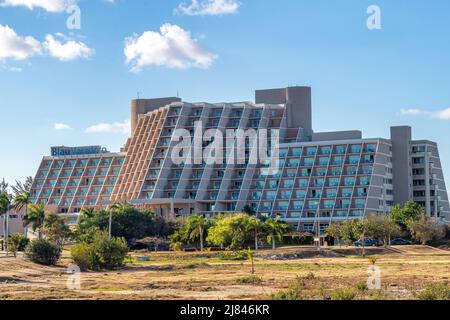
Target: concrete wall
x=142 y=106
x=401 y=164
x=298 y=104
x=336 y=135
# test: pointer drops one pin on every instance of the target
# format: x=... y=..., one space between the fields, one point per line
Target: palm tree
x=88 y=212
x=197 y=226
x=21 y=188
x=275 y=229
x=115 y=207
x=35 y=217
x=255 y=225
x=5 y=206
x=20 y=201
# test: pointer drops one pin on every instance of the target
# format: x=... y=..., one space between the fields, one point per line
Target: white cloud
x=172 y=47
x=62 y=126
x=15 y=69
x=116 y=127
x=443 y=114
x=410 y=112
x=70 y=50
x=208 y=7
x=13 y=46
x=48 y=5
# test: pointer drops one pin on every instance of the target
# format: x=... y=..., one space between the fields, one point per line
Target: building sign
x=73 y=151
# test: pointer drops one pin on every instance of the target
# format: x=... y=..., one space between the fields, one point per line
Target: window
x=347 y=192
x=364 y=181
x=331 y=193
x=311 y=151
x=303 y=183
x=323 y=161
x=334 y=182
x=291 y=173
x=356 y=149
x=321 y=172
x=360 y=204
x=326 y=150
x=271 y=195
x=340 y=149
x=338 y=160
x=328 y=204
x=298 y=205
x=288 y=183
x=419 y=149
x=419 y=160
x=309 y=162
x=300 y=194
x=297 y=152
x=294 y=162
x=354 y=159
x=349 y=181
x=286 y=194
x=370 y=148
x=352 y=170
x=283 y=205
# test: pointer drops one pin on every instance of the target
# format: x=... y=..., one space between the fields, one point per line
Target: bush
x=101 y=253
x=17 y=242
x=435 y=291
x=343 y=294
x=249 y=280
x=294 y=292
x=234 y=255
x=43 y=252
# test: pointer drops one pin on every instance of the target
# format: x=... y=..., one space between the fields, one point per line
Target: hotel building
x=337 y=175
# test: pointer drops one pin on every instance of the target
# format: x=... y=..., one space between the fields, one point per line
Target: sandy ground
x=404 y=272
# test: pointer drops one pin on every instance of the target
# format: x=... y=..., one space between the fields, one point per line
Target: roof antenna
x=178 y=94
x=138 y=95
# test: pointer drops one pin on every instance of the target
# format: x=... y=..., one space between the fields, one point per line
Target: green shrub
x=361 y=287
x=17 y=242
x=43 y=252
x=249 y=280
x=435 y=291
x=101 y=253
x=343 y=294
x=234 y=255
x=294 y=292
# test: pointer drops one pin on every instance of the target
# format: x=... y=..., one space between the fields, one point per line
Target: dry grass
x=405 y=271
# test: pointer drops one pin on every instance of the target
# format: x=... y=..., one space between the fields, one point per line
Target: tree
x=21 y=200
x=382 y=228
x=334 y=230
x=21 y=188
x=275 y=229
x=55 y=228
x=410 y=211
x=127 y=222
x=256 y=225
x=233 y=231
x=17 y=242
x=425 y=230
x=35 y=218
x=4 y=186
x=249 y=210
x=197 y=226
x=5 y=206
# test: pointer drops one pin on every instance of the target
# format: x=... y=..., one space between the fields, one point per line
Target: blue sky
x=361 y=79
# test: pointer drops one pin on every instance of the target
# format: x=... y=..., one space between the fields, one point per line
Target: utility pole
x=110 y=224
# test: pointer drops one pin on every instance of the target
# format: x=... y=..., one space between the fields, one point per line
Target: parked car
x=400 y=242
x=367 y=243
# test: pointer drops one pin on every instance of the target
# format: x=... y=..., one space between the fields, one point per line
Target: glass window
x=364 y=181
x=297 y=152
x=294 y=162
x=298 y=205
x=347 y=192
x=271 y=195
x=283 y=153
x=286 y=194
x=326 y=150
x=309 y=162
x=338 y=160
x=288 y=183
x=349 y=181
x=323 y=161
x=360 y=203
x=352 y=170
x=321 y=172
x=334 y=182
x=356 y=148
x=370 y=147
x=291 y=172
x=313 y=204
x=303 y=183
x=300 y=194
x=331 y=193
x=354 y=159
x=340 y=149
x=283 y=205
x=328 y=204
x=311 y=151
